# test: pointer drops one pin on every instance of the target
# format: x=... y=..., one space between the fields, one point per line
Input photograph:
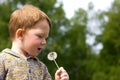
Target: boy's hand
x=61 y=74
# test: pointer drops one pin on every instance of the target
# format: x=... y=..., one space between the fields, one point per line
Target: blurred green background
x=68 y=38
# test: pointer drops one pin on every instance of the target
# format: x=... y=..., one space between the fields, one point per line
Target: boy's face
x=34 y=39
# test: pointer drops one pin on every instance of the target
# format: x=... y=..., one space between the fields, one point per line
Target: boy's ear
x=19 y=33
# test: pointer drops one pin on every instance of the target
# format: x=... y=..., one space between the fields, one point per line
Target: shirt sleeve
x=47 y=75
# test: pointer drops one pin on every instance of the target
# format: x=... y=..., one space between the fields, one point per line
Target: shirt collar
x=9 y=51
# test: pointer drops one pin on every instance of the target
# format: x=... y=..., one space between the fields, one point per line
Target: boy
x=29 y=27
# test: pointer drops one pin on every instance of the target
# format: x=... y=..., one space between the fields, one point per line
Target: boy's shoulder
x=6 y=50
x=2 y=53
x=5 y=53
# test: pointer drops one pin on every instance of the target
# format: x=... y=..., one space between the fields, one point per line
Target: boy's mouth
x=39 y=49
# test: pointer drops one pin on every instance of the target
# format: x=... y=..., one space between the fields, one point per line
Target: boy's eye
x=39 y=36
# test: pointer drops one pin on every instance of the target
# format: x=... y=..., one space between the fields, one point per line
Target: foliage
x=110 y=54
x=110 y=34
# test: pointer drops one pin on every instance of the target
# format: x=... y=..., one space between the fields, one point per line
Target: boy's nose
x=43 y=41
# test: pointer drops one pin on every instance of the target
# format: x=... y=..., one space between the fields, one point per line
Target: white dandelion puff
x=52 y=56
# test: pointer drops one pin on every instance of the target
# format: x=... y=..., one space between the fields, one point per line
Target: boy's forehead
x=42 y=24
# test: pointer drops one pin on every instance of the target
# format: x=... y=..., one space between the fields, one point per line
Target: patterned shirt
x=14 y=67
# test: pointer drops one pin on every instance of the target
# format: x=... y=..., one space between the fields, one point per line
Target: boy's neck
x=16 y=48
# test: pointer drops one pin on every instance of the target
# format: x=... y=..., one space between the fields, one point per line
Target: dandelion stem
x=56 y=64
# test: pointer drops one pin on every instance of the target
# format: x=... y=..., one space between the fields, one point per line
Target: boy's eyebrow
x=43 y=34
